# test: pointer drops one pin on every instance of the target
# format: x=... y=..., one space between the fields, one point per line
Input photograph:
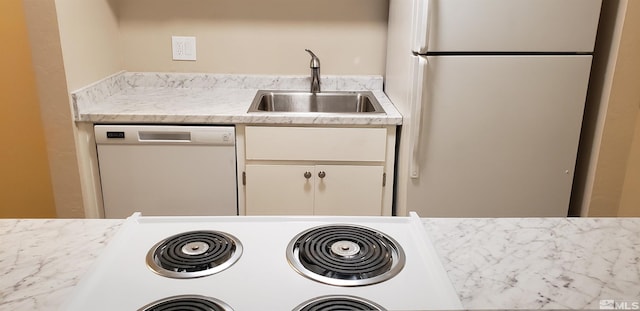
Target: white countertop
x=508 y=263
x=130 y=97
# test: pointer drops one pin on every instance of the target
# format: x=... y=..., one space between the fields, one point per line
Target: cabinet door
x=279 y=190
x=348 y=190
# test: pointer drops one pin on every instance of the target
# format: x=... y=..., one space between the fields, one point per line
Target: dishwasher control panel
x=161 y=134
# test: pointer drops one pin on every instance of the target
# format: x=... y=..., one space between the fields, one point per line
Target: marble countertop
x=134 y=97
x=517 y=263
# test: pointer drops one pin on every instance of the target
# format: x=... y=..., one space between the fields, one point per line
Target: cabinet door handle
x=322 y=174
x=307 y=175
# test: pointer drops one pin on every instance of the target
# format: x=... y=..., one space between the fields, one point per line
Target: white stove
x=267 y=263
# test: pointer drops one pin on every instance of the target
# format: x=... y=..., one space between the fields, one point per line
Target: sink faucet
x=315 y=72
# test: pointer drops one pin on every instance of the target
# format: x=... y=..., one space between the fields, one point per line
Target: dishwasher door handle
x=151 y=136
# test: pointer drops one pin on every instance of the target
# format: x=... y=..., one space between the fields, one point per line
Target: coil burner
x=345 y=255
x=194 y=254
x=338 y=302
x=187 y=302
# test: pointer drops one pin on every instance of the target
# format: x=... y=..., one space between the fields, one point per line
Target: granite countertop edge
x=493 y=263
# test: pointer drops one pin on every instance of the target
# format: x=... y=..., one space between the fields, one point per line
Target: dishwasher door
x=167 y=170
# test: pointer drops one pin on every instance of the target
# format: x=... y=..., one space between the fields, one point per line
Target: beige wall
x=630 y=197
x=90 y=40
x=25 y=183
x=611 y=114
x=630 y=202
x=256 y=36
x=54 y=105
x=73 y=43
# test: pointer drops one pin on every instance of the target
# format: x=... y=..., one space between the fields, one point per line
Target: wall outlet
x=184 y=48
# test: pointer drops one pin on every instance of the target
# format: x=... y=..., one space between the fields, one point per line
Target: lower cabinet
x=314 y=189
x=279 y=189
x=315 y=170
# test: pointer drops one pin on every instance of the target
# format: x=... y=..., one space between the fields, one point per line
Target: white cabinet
x=314 y=189
x=279 y=189
x=316 y=170
x=348 y=190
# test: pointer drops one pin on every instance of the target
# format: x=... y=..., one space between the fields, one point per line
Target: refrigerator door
x=504 y=25
x=499 y=136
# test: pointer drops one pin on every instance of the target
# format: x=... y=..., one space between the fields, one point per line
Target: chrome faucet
x=315 y=72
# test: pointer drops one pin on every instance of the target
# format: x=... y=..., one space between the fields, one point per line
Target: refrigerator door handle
x=421 y=26
x=420 y=80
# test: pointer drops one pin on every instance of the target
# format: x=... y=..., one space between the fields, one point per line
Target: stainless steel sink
x=325 y=102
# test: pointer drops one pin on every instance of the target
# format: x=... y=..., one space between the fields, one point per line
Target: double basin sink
x=323 y=102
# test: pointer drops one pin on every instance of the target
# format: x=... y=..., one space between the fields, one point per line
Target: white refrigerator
x=492 y=94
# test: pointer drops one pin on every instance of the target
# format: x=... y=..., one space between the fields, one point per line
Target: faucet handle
x=315 y=61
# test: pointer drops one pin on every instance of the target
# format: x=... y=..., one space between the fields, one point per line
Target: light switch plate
x=184 y=48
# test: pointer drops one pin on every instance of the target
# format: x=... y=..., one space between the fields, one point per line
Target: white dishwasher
x=167 y=170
